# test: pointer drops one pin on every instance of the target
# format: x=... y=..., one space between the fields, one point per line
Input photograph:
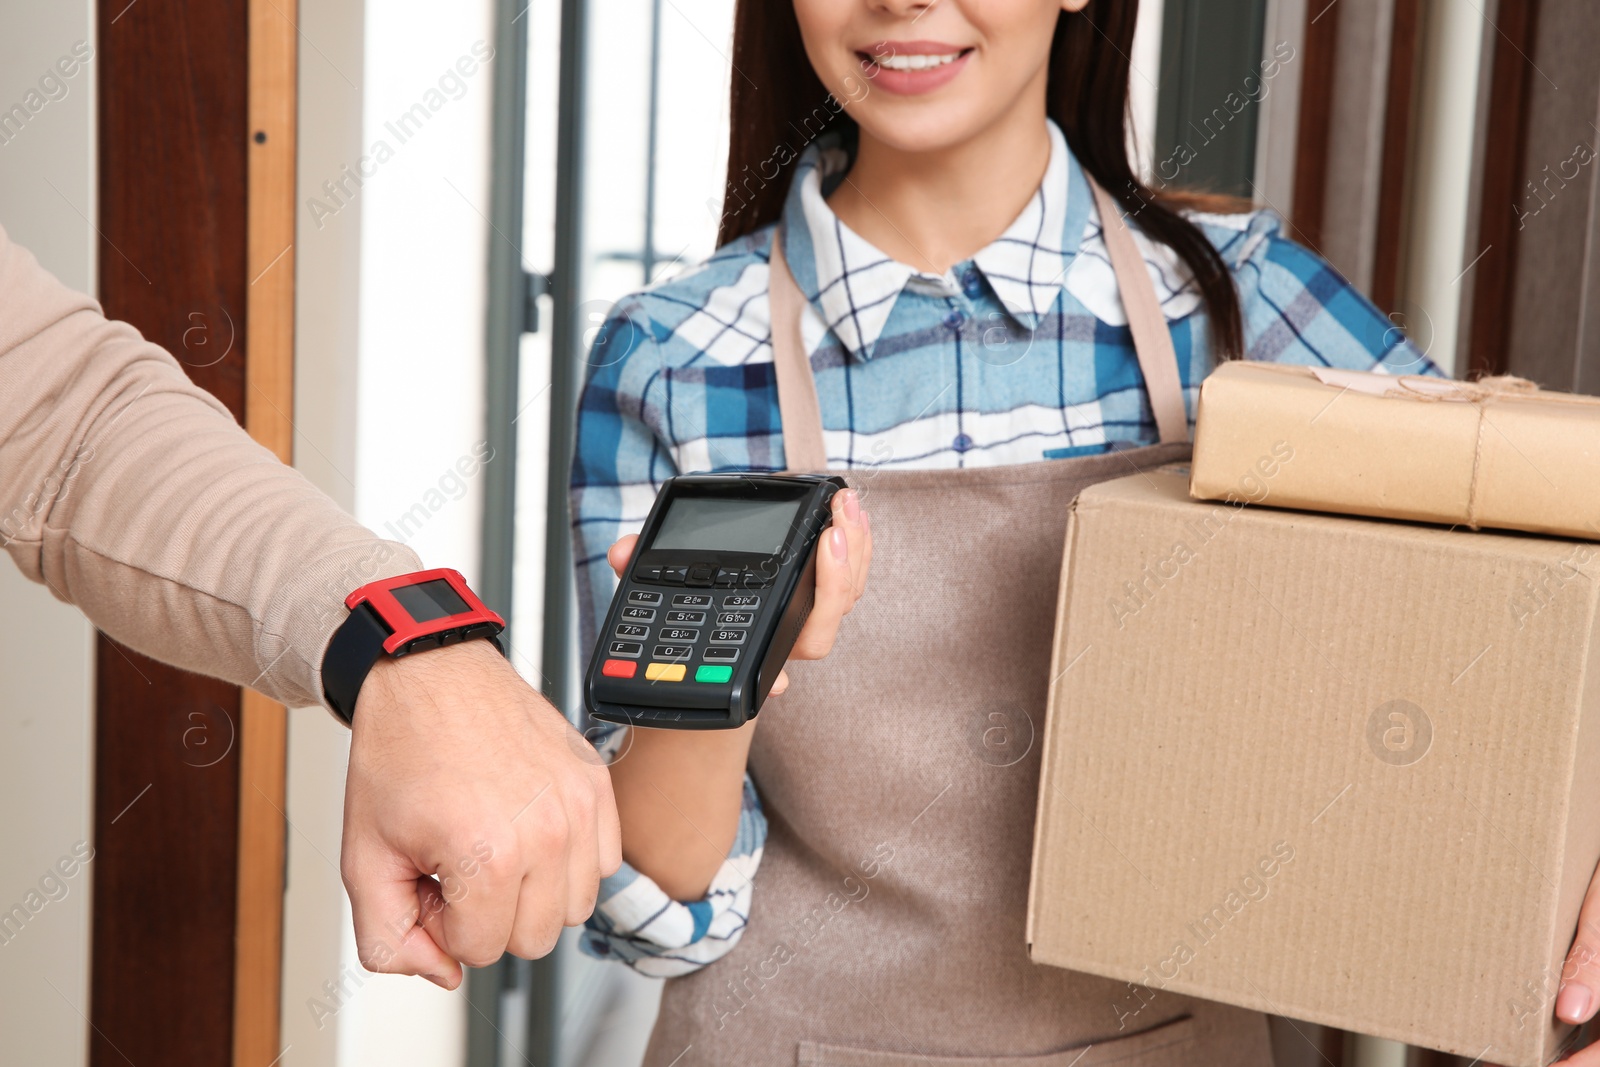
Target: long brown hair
x=1087 y=98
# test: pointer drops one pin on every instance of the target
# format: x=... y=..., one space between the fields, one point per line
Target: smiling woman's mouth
x=912 y=62
x=908 y=68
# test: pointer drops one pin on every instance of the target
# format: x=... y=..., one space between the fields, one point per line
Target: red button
x=619 y=668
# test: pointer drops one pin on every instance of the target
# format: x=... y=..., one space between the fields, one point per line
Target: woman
x=986 y=337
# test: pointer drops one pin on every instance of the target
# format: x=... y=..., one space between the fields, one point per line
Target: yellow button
x=665 y=672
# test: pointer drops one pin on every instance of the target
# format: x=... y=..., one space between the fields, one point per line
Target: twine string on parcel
x=1482 y=393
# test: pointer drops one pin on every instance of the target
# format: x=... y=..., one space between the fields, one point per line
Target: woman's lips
x=911 y=67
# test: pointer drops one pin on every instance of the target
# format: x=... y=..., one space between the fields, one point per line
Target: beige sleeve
x=135 y=495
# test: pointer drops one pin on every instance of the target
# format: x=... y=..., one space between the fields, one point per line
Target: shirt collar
x=853 y=285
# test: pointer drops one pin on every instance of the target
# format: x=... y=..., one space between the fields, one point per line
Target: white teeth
x=893 y=62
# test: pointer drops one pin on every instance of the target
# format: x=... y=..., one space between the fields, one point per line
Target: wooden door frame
x=1395 y=157
x=269 y=407
x=1318 y=51
x=196 y=158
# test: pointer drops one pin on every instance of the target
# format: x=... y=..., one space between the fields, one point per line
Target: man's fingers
x=430 y=922
x=541 y=904
x=1579 y=994
x=479 y=903
x=780 y=683
x=494 y=805
x=620 y=553
x=583 y=857
x=541 y=908
x=390 y=907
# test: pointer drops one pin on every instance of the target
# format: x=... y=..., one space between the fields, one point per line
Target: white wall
x=327 y=279
x=389 y=398
x=46 y=648
x=423 y=288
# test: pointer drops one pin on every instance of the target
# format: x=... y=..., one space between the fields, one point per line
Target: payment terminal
x=720 y=584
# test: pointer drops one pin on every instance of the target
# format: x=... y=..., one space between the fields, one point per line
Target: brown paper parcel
x=1498 y=453
x=1337 y=769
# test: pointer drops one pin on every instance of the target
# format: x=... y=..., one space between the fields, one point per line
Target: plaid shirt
x=1021 y=353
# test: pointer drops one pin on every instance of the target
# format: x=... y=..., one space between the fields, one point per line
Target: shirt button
x=955 y=319
x=962 y=442
x=971 y=284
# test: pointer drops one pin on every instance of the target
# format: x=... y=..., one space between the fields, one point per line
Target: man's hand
x=476 y=820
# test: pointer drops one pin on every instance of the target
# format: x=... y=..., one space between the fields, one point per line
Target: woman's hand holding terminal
x=679 y=791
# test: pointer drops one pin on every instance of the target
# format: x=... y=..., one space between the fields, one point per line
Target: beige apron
x=899 y=776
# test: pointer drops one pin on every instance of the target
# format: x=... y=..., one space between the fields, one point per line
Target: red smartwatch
x=396 y=617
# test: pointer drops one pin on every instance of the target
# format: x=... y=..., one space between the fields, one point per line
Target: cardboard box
x=1498 y=453
x=1341 y=770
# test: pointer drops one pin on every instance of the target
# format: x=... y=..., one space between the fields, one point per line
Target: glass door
x=618 y=183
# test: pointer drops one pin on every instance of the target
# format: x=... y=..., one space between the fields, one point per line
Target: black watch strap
x=356 y=645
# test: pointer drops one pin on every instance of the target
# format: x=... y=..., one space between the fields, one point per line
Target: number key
x=735 y=618
x=688 y=618
x=679 y=635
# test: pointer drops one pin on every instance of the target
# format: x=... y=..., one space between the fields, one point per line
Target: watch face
x=427 y=601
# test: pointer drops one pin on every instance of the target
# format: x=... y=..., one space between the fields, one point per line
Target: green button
x=716 y=675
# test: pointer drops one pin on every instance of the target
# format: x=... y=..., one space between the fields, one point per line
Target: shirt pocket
x=1078 y=451
x=720 y=418
x=1168 y=1045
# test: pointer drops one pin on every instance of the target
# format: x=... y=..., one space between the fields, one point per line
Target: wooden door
x=196 y=209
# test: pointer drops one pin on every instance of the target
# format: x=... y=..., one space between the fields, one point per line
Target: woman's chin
x=918 y=128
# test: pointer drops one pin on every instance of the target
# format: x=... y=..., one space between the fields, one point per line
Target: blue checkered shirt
x=1021 y=353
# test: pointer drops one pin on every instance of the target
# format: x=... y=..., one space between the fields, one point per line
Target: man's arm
x=134 y=494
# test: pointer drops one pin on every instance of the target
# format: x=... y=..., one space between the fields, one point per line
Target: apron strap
x=801 y=414
x=1152 y=339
